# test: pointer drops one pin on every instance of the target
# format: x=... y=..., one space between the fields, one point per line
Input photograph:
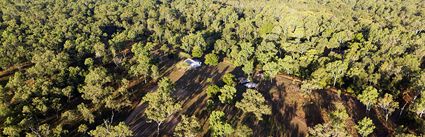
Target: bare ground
x=292 y=112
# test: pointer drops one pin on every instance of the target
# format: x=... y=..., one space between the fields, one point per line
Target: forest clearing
x=292 y=114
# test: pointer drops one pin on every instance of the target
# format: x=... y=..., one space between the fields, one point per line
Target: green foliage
x=229 y=79
x=369 y=97
x=335 y=127
x=289 y=65
x=108 y=130
x=419 y=106
x=227 y=94
x=155 y=72
x=387 y=104
x=188 y=127
x=12 y=131
x=337 y=70
x=243 y=131
x=365 y=127
x=254 y=102
x=197 y=51
x=82 y=128
x=211 y=59
x=44 y=46
x=265 y=52
x=308 y=86
x=240 y=56
x=265 y=28
x=191 y=41
x=218 y=126
x=46 y=130
x=161 y=105
x=271 y=69
x=88 y=62
x=96 y=90
x=212 y=90
x=142 y=61
x=86 y=113
x=248 y=68
x=184 y=55
x=95 y=87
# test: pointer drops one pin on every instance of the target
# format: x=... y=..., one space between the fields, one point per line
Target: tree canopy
x=66 y=65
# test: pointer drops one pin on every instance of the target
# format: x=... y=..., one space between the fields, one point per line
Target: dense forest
x=75 y=67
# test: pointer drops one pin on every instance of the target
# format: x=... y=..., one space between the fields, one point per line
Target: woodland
x=80 y=67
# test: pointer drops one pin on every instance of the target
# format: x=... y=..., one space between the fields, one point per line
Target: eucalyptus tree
x=369 y=97
x=161 y=104
x=254 y=102
x=365 y=127
x=218 y=126
x=187 y=127
x=387 y=104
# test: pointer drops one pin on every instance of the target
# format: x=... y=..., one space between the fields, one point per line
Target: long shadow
x=189 y=86
x=324 y=99
x=354 y=108
x=358 y=111
x=312 y=114
x=282 y=114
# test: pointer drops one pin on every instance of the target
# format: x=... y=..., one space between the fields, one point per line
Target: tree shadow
x=279 y=123
x=189 y=91
x=312 y=114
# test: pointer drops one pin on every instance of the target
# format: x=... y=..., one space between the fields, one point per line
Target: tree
x=240 y=56
x=155 y=72
x=82 y=128
x=388 y=104
x=369 y=97
x=271 y=69
x=108 y=130
x=243 y=131
x=96 y=86
x=46 y=130
x=211 y=59
x=188 y=127
x=254 y=102
x=227 y=94
x=44 y=45
x=142 y=61
x=419 y=106
x=212 y=90
x=190 y=41
x=336 y=127
x=265 y=52
x=229 y=79
x=365 y=127
x=337 y=70
x=119 y=99
x=197 y=51
x=86 y=113
x=309 y=85
x=161 y=105
x=289 y=65
x=218 y=126
x=248 y=68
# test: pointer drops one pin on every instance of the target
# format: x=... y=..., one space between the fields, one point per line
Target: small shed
x=193 y=63
x=251 y=85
